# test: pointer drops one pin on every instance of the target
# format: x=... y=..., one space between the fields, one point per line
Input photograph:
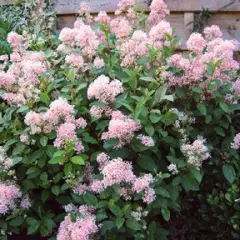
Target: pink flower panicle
x=117 y=171
x=75 y=60
x=212 y=32
x=236 y=142
x=173 y=169
x=236 y=87
x=196 y=152
x=104 y=90
x=11 y=198
x=196 y=43
x=146 y=141
x=84 y=228
x=158 y=12
x=5 y=162
x=122 y=128
x=102 y=18
x=121 y=27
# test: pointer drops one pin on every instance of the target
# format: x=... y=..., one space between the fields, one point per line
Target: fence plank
x=6 y=2
x=71 y=6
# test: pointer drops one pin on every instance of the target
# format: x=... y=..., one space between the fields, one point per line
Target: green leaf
x=155 y=116
x=55 y=190
x=220 y=131
x=148 y=79
x=78 y=160
x=119 y=222
x=163 y=192
x=57 y=160
x=202 y=109
x=147 y=163
x=229 y=172
x=114 y=209
x=133 y=224
x=150 y=129
x=224 y=107
x=16 y=222
x=43 y=141
x=67 y=169
x=90 y=199
x=44 y=98
x=165 y=213
x=110 y=143
x=160 y=95
x=189 y=183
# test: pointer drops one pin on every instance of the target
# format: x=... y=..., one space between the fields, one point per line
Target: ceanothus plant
x=108 y=131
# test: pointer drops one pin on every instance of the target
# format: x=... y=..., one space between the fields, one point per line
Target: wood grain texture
x=71 y=6
x=6 y=2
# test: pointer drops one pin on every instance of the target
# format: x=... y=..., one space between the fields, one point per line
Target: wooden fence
x=224 y=13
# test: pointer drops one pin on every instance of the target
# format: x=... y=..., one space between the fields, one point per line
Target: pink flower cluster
x=236 y=87
x=60 y=118
x=117 y=171
x=158 y=12
x=196 y=152
x=11 y=198
x=195 y=68
x=121 y=27
x=122 y=128
x=81 y=37
x=84 y=228
x=75 y=60
x=21 y=80
x=236 y=142
x=102 y=18
x=103 y=90
x=146 y=141
x=134 y=48
x=212 y=32
x=5 y=162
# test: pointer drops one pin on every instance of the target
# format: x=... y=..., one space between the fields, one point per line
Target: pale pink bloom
x=102 y=160
x=236 y=87
x=97 y=186
x=15 y=40
x=59 y=109
x=76 y=60
x=159 y=31
x=149 y=195
x=121 y=127
x=104 y=90
x=124 y=5
x=80 y=122
x=67 y=35
x=196 y=43
x=158 y=12
x=66 y=133
x=81 y=189
x=96 y=111
x=79 y=147
x=9 y=195
x=146 y=141
x=236 y=142
x=142 y=183
x=5 y=162
x=3 y=57
x=121 y=27
x=87 y=40
x=102 y=18
x=14 y=99
x=212 y=32
x=117 y=171
x=6 y=80
x=84 y=228
x=15 y=57
x=173 y=169
x=25 y=202
x=24 y=138
x=196 y=152
x=98 y=62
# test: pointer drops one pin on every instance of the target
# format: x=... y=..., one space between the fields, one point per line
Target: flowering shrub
x=110 y=130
